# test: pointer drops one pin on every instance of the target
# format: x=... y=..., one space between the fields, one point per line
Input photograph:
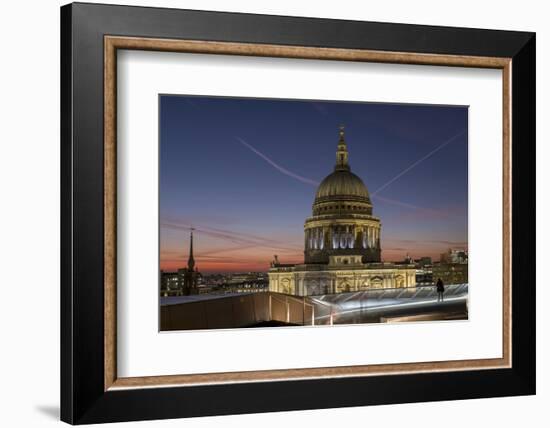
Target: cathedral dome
x=342 y=184
x=342 y=222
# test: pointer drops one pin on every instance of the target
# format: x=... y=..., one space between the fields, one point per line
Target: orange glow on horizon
x=259 y=260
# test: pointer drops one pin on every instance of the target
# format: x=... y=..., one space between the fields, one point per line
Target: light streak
x=277 y=166
x=416 y=163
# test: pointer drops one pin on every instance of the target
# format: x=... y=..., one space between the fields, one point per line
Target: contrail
x=236 y=238
x=316 y=183
x=277 y=166
x=398 y=203
x=410 y=206
x=417 y=162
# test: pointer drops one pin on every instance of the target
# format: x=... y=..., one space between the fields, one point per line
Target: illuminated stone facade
x=341 y=242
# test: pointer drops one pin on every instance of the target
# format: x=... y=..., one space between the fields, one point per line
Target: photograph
x=291 y=212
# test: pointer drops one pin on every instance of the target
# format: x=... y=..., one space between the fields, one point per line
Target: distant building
x=169 y=284
x=423 y=261
x=183 y=282
x=451 y=273
x=238 y=278
x=454 y=256
x=452 y=268
x=342 y=242
x=246 y=282
x=406 y=261
x=424 y=276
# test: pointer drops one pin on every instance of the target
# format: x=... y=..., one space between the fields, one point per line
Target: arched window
x=399 y=281
x=376 y=282
x=285 y=283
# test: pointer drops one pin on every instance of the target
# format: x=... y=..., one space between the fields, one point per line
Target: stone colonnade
x=342 y=237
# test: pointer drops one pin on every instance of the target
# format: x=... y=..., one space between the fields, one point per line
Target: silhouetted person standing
x=440 y=289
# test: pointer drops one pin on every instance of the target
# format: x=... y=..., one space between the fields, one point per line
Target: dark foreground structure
x=271 y=309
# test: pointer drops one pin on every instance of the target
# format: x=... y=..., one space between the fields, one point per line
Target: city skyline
x=243 y=173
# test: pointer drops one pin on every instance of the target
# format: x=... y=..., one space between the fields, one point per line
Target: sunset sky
x=243 y=173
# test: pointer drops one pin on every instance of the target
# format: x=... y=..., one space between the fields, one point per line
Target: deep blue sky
x=245 y=209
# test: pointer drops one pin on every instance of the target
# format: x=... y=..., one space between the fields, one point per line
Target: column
x=316 y=238
x=368 y=237
x=372 y=241
x=346 y=238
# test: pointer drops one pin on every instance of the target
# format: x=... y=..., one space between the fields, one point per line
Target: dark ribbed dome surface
x=341 y=184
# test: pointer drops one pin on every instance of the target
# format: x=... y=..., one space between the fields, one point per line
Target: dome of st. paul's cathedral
x=342 y=220
x=342 y=184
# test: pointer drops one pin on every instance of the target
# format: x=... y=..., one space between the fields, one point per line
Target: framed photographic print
x=265 y=213
x=329 y=271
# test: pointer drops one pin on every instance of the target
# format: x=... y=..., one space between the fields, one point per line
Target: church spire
x=342 y=153
x=191 y=261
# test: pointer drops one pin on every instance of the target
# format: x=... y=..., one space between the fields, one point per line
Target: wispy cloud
x=238 y=238
x=426 y=212
x=396 y=202
x=395 y=249
x=248 y=251
x=446 y=243
x=416 y=163
x=277 y=166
